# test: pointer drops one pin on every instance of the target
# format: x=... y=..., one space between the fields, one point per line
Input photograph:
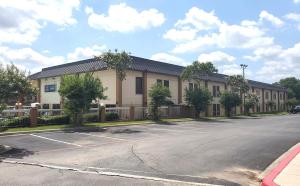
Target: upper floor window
x=166 y=83
x=267 y=95
x=159 y=81
x=280 y=96
x=274 y=96
x=216 y=91
x=257 y=92
x=139 y=85
x=50 y=88
x=193 y=86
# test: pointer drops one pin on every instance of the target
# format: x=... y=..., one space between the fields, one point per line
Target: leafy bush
x=50 y=120
x=90 y=117
x=23 y=121
x=112 y=116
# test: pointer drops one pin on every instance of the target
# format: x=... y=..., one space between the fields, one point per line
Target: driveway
x=227 y=152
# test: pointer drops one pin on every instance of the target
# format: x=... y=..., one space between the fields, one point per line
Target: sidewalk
x=287 y=171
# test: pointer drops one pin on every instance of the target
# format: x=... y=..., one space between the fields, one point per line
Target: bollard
x=102 y=113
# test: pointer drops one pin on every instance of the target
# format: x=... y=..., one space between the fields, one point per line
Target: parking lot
x=225 y=152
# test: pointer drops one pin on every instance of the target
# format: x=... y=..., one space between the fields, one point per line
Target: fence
x=23 y=117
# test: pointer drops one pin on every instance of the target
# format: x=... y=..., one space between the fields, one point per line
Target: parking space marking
x=99 y=136
x=50 y=139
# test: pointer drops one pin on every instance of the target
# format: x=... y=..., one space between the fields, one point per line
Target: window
x=191 y=86
x=50 y=88
x=159 y=81
x=257 y=92
x=56 y=106
x=274 y=96
x=166 y=83
x=139 y=85
x=216 y=109
x=280 y=96
x=257 y=108
x=216 y=91
x=267 y=95
x=45 y=106
x=195 y=86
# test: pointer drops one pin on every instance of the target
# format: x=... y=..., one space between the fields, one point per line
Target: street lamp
x=243 y=67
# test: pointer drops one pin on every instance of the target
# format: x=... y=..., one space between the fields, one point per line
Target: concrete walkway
x=287 y=171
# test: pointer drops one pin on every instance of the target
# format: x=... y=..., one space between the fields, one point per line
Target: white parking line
x=50 y=139
x=103 y=136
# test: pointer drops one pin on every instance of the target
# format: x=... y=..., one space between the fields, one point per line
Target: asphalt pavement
x=226 y=152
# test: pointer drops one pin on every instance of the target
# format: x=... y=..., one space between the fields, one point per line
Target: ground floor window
x=46 y=106
x=56 y=106
x=216 y=109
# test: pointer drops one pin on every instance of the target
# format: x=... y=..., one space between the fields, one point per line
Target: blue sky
x=265 y=35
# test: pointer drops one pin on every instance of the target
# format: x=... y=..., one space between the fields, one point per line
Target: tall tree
x=197 y=69
x=198 y=98
x=230 y=100
x=159 y=96
x=119 y=61
x=79 y=91
x=293 y=86
x=14 y=84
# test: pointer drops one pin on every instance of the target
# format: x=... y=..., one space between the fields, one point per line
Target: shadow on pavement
x=15 y=153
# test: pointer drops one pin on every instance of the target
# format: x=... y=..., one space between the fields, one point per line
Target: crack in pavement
x=143 y=162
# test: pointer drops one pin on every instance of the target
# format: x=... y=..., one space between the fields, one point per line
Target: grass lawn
x=98 y=124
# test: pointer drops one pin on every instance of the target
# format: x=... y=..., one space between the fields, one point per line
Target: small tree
x=230 y=100
x=198 y=98
x=119 y=61
x=251 y=101
x=79 y=91
x=159 y=96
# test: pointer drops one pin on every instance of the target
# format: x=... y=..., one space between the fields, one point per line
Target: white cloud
x=278 y=62
x=185 y=34
x=266 y=16
x=296 y=1
x=292 y=16
x=21 y=21
x=216 y=56
x=87 y=52
x=123 y=18
x=200 y=19
x=164 y=57
x=248 y=34
x=196 y=44
x=28 y=58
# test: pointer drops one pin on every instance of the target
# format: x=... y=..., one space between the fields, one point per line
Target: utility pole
x=244 y=66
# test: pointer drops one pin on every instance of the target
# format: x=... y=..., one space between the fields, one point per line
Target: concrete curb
x=275 y=163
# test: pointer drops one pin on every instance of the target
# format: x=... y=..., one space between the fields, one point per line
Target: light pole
x=243 y=67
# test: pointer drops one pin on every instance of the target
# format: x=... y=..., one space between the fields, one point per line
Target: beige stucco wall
x=108 y=79
x=173 y=84
x=185 y=85
x=50 y=97
x=129 y=96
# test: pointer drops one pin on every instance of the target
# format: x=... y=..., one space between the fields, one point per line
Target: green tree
x=159 y=96
x=14 y=84
x=197 y=69
x=78 y=92
x=251 y=101
x=293 y=86
x=230 y=100
x=292 y=102
x=238 y=85
x=119 y=61
x=198 y=98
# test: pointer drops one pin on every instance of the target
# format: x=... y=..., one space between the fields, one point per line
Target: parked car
x=295 y=110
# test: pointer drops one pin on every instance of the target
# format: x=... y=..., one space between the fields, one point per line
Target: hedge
x=56 y=120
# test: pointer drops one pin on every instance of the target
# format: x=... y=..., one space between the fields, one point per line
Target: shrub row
x=24 y=121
